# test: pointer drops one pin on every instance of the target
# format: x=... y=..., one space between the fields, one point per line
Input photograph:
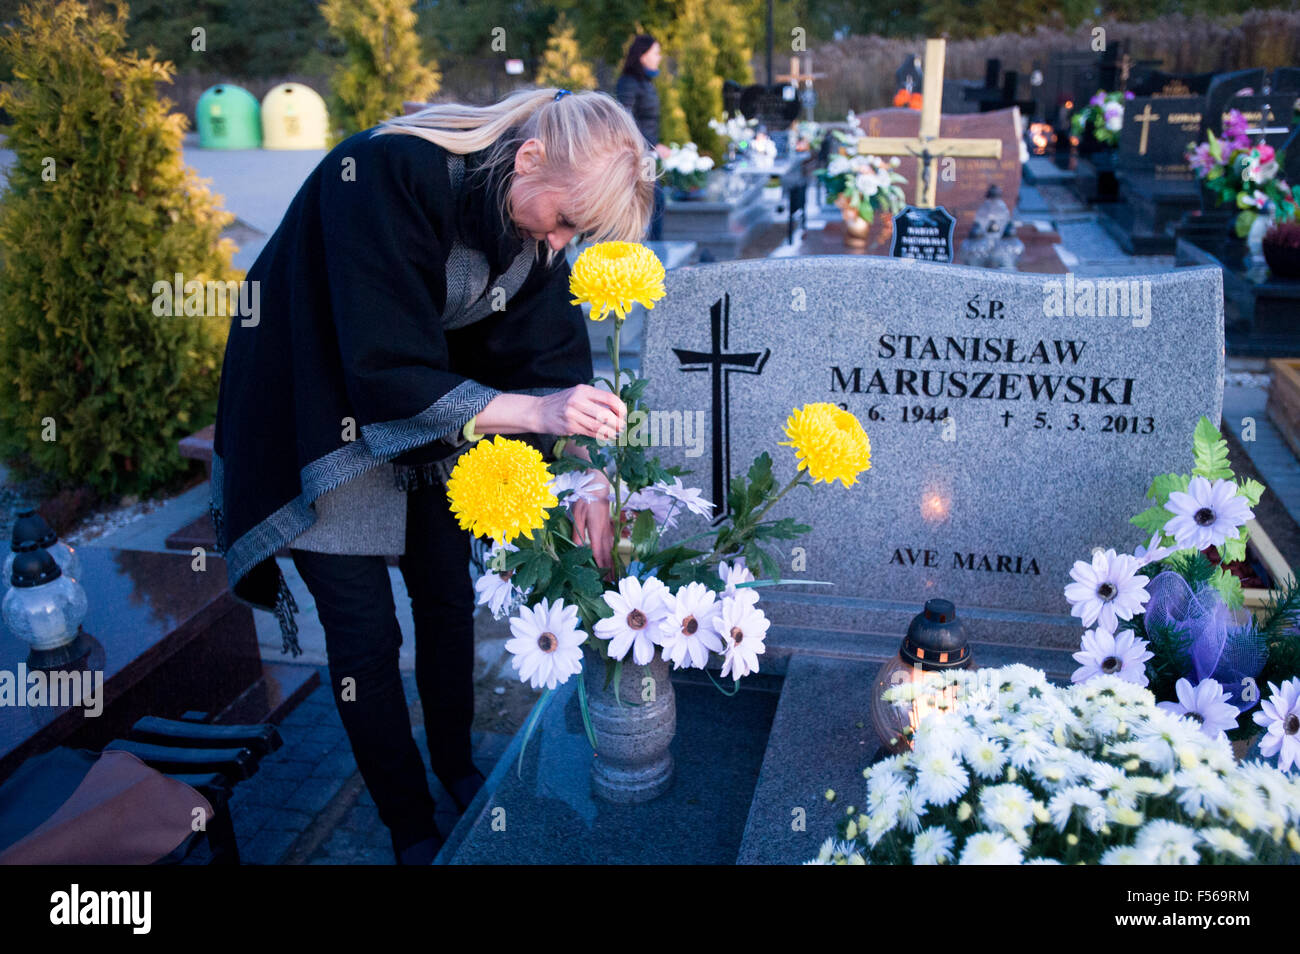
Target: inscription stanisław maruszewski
x=1015 y=420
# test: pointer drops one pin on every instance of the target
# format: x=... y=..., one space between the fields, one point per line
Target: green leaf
x=1234 y=550
x=1165 y=484
x=1210 y=451
x=1229 y=588
x=1152 y=519
x=1252 y=490
x=531 y=723
x=586 y=714
x=643 y=534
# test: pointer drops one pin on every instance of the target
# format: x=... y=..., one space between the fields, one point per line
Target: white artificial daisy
x=1207 y=514
x=574 y=485
x=495 y=588
x=1206 y=704
x=1225 y=842
x=1087 y=802
x=990 y=848
x=1168 y=843
x=547 y=645
x=932 y=846
x=734 y=573
x=743 y=627
x=1153 y=552
x=1106 y=590
x=662 y=507
x=1104 y=653
x=985 y=757
x=692 y=498
x=1280 y=716
x=639 y=609
x=687 y=632
x=940 y=779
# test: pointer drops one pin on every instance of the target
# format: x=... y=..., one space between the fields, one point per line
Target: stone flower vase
x=632 y=761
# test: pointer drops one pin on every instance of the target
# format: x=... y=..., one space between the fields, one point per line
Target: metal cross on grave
x=928 y=146
x=721 y=366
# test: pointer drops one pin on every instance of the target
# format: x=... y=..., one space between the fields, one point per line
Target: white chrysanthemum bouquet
x=1025 y=772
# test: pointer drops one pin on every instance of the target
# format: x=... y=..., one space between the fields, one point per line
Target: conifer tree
x=698 y=82
x=562 y=64
x=96 y=387
x=382 y=67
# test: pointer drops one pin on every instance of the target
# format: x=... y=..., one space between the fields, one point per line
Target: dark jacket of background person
x=639 y=96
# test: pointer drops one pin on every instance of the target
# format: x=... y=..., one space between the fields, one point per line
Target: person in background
x=636 y=91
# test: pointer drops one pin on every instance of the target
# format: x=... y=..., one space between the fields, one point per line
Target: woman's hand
x=584 y=410
x=593 y=525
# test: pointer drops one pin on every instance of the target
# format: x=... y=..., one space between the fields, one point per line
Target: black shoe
x=463 y=789
x=421 y=853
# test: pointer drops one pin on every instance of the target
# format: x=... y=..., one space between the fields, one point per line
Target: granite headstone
x=1015 y=421
x=962 y=183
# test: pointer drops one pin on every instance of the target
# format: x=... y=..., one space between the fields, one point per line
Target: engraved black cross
x=721 y=366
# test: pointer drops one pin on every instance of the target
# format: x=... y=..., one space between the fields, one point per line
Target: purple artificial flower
x=1128 y=94
x=1098 y=99
x=1206 y=704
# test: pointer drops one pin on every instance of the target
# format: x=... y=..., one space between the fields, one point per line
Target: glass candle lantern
x=993 y=215
x=935 y=642
x=31 y=532
x=1008 y=249
x=44 y=606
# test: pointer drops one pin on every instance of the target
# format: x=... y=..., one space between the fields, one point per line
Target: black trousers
x=354 y=599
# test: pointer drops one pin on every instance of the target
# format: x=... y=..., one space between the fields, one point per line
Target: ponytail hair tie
x=559 y=93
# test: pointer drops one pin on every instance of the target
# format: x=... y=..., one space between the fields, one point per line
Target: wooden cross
x=1145 y=118
x=928 y=147
x=794 y=77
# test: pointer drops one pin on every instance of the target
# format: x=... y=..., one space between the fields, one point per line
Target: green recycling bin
x=229 y=118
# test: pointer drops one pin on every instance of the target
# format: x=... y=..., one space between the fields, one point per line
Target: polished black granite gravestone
x=166 y=640
x=1261 y=312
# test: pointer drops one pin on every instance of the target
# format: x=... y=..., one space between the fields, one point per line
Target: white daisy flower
x=1042 y=861
x=546 y=648
x=690 y=497
x=885 y=794
x=497 y=591
x=990 y=848
x=1107 y=590
x=663 y=507
x=910 y=809
x=1168 y=843
x=1207 y=514
x=1064 y=803
x=1225 y=842
x=575 y=485
x=1280 y=716
x=1153 y=552
x=879 y=825
x=687 y=632
x=639 y=609
x=932 y=846
x=1104 y=653
x=940 y=779
x=743 y=627
x=1206 y=705
x=734 y=574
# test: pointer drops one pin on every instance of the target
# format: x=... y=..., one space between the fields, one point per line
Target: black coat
x=353 y=287
x=639 y=96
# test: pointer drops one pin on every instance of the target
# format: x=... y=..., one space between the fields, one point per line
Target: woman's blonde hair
x=594 y=152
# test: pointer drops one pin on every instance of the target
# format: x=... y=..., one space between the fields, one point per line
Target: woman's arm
x=577 y=410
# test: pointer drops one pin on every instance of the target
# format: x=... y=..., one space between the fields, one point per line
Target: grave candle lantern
x=45 y=606
x=31 y=533
x=935 y=641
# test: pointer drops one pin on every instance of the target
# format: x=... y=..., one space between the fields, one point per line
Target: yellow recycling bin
x=293 y=117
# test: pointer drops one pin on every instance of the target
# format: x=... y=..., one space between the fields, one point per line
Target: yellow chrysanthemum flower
x=830 y=443
x=614 y=275
x=501 y=489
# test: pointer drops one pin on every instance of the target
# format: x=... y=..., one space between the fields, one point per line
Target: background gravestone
x=965 y=190
x=992 y=518
x=1221 y=97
